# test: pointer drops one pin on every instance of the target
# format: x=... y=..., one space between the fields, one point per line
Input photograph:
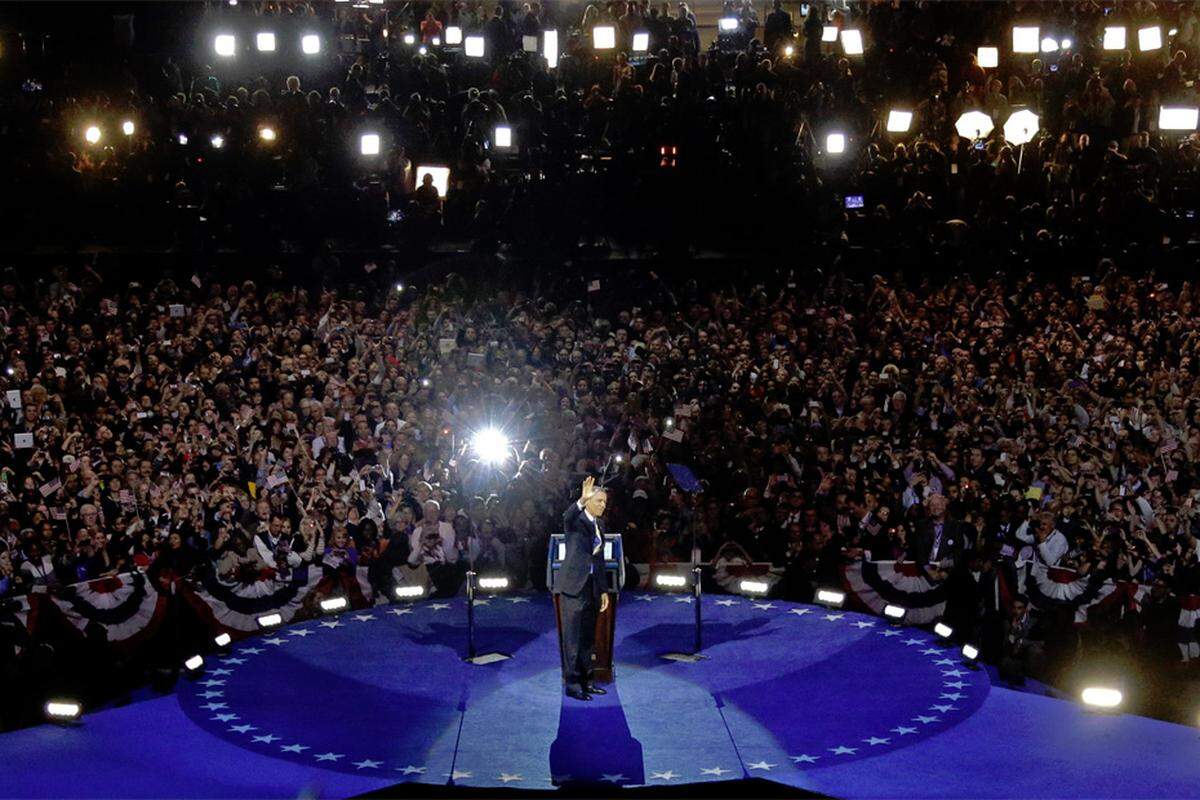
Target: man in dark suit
x=939 y=548
x=580 y=582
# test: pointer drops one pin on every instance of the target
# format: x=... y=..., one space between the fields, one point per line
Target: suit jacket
x=579 y=561
x=954 y=542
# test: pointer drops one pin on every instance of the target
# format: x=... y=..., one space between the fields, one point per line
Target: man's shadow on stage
x=594 y=745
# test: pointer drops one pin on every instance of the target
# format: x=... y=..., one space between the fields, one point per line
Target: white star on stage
x=714 y=771
x=763 y=765
x=483 y=602
x=518 y=599
x=439 y=606
x=214 y=706
x=889 y=633
x=267 y=738
x=275 y=640
x=613 y=778
x=646 y=597
x=931 y=651
x=233 y=661
x=727 y=601
x=926 y=720
x=210 y=695
x=683 y=598
x=225 y=717
x=764 y=606
x=955 y=684
x=864 y=624
x=212 y=683
x=252 y=650
x=943 y=709
x=293 y=748
x=300 y=632
x=220 y=672
x=799 y=612
x=805 y=759
x=399 y=612
x=911 y=642
x=951 y=696
x=952 y=673
x=903 y=731
x=367 y=763
x=949 y=662
x=331 y=624
x=364 y=618
x=411 y=770
x=242 y=728
x=834 y=617
x=874 y=740
x=504 y=776
x=669 y=775
x=842 y=750
x=457 y=774
x=329 y=756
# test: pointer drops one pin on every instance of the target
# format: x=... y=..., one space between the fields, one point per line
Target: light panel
x=1114 y=37
x=604 y=37
x=1026 y=38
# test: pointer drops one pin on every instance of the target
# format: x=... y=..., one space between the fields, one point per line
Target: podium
x=606 y=621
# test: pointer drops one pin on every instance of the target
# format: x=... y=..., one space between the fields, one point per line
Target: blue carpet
x=832 y=701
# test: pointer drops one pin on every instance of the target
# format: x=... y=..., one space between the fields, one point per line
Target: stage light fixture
x=974 y=125
x=63 y=710
x=436 y=41
x=1049 y=44
x=1178 y=118
x=894 y=613
x=222 y=640
x=490 y=445
x=988 y=57
x=441 y=178
x=92 y=134
x=265 y=42
x=1021 y=126
x=1114 y=37
x=408 y=592
x=331 y=604
x=310 y=44
x=1025 y=38
x=368 y=144
x=473 y=46
x=670 y=581
x=127 y=127
x=1065 y=44
x=943 y=630
x=727 y=24
x=410 y=39
x=970 y=654
x=1101 y=697
x=829 y=34
x=422 y=50
x=454 y=35
x=503 y=137
x=550 y=48
x=899 y=121
x=833 y=598
x=494 y=584
x=604 y=37
x=194 y=664
x=788 y=51
x=225 y=45
x=752 y=587
x=217 y=141
x=270 y=620
x=852 y=42
x=1150 y=38
x=182 y=139
x=641 y=42
x=835 y=143
x=266 y=133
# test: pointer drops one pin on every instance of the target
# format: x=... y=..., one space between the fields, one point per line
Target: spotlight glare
x=222 y=640
x=267 y=134
x=63 y=710
x=441 y=178
x=899 y=121
x=669 y=422
x=1114 y=37
x=473 y=46
x=369 y=144
x=92 y=134
x=1173 y=32
x=127 y=127
x=406 y=592
x=182 y=139
x=490 y=445
x=225 y=45
x=550 y=48
x=265 y=42
x=1101 y=697
x=270 y=620
x=1049 y=45
x=422 y=50
x=604 y=37
x=1025 y=39
x=436 y=42
x=503 y=137
x=943 y=630
x=493 y=583
x=727 y=24
x=334 y=604
x=831 y=597
x=194 y=663
x=753 y=587
x=1149 y=38
x=988 y=57
x=852 y=42
x=454 y=35
x=399 y=286
x=426 y=383
x=671 y=581
x=1021 y=126
x=974 y=125
x=829 y=34
x=310 y=43
x=410 y=39
x=970 y=652
x=893 y=612
x=835 y=143
x=788 y=51
x=217 y=141
x=641 y=42
x=1065 y=44
x=1178 y=118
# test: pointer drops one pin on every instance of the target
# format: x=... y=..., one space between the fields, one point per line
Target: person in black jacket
x=580 y=582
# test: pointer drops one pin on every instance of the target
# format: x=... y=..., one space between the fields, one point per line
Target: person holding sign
x=580 y=582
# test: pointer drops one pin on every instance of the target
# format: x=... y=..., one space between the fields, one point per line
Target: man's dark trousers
x=579 y=614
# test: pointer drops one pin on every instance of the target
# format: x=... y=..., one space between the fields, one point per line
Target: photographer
x=433 y=545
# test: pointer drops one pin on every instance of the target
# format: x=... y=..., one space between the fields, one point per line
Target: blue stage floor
x=834 y=702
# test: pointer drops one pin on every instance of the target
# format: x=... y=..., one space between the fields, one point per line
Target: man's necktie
x=937 y=543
